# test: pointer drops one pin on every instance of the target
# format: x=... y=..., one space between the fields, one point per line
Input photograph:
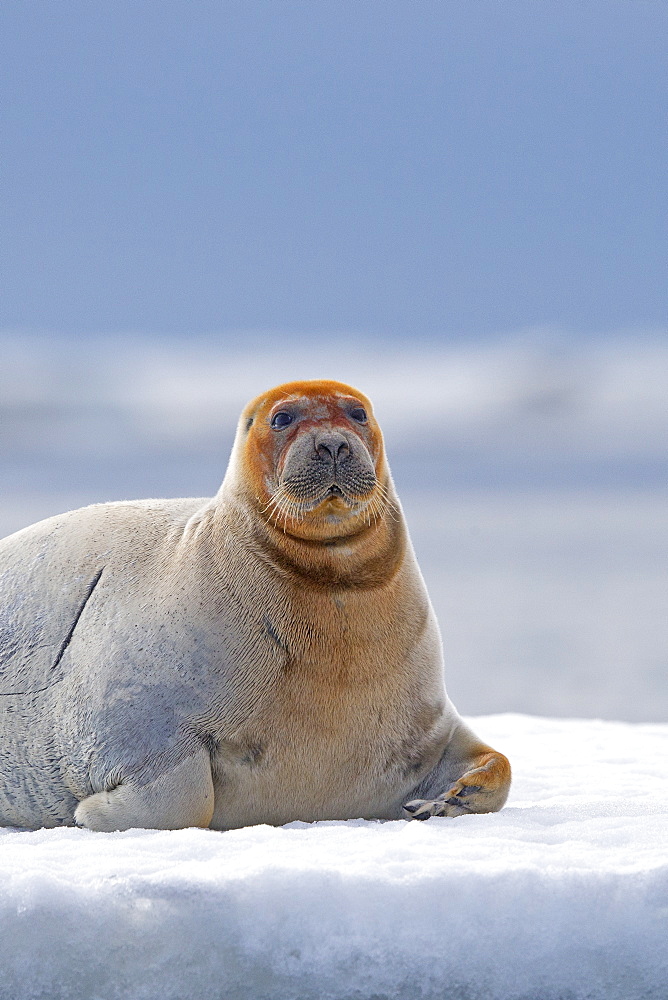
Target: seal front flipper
x=480 y=790
x=476 y=778
x=178 y=798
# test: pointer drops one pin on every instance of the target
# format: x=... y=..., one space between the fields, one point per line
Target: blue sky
x=435 y=170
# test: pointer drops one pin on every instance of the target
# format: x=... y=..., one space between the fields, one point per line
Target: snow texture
x=561 y=896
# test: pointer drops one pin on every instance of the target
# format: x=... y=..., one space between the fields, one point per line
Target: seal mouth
x=309 y=497
x=305 y=504
x=289 y=503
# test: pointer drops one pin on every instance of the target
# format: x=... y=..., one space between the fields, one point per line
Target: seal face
x=315 y=458
x=264 y=656
x=310 y=462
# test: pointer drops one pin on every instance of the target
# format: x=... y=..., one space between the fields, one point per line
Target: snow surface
x=561 y=896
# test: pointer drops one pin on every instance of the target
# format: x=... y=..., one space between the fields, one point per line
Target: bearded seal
x=264 y=656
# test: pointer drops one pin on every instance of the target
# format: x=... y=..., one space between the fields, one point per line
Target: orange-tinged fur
x=257 y=456
x=362 y=546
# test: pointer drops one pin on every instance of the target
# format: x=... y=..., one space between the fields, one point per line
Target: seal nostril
x=332 y=447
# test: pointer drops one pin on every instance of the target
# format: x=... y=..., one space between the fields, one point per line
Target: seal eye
x=281 y=420
x=359 y=414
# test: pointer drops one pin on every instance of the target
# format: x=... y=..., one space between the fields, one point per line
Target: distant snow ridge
x=561 y=896
x=601 y=398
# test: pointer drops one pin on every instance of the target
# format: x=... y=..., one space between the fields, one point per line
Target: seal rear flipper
x=178 y=798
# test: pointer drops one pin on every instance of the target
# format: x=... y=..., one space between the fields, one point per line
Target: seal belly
x=310 y=757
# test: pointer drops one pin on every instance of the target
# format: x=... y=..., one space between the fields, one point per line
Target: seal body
x=263 y=656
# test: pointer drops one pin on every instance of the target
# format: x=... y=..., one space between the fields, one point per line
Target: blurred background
x=459 y=208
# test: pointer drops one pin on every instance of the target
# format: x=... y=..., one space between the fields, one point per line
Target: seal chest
x=264 y=656
x=339 y=736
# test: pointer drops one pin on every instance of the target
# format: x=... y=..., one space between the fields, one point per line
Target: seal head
x=309 y=461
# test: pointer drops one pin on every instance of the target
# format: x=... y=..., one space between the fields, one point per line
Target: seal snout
x=331 y=446
x=326 y=463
